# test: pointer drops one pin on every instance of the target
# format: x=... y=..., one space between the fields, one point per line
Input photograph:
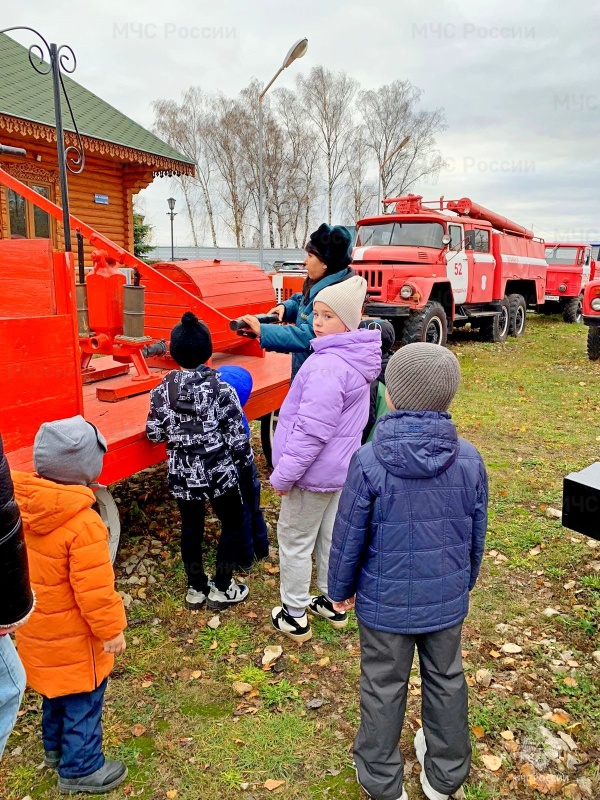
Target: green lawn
x=532 y=408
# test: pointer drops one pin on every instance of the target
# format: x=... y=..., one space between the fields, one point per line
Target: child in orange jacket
x=69 y=644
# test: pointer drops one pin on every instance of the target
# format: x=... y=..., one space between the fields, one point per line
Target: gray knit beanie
x=422 y=377
x=69 y=451
x=345 y=299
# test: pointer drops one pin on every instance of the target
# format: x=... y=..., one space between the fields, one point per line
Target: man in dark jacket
x=408 y=543
x=16 y=601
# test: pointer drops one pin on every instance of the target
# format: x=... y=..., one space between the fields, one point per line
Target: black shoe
x=52 y=758
x=296 y=628
x=323 y=607
x=103 y=780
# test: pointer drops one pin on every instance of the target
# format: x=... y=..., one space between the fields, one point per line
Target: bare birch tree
x=184 y=126
x=390 y=114
x=360 y=189
x=327 y=99
x=304 y=164
x=225 y=146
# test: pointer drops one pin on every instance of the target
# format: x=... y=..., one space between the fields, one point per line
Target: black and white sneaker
x=223 y=598
x=194 y=599
x=322 y=607
x=296 y=628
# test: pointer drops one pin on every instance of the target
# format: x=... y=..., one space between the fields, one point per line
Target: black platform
x=581 y=501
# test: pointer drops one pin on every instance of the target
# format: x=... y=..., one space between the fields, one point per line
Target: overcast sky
x=519 y=82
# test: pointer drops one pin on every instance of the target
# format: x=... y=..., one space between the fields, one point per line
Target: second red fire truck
x=434 y=267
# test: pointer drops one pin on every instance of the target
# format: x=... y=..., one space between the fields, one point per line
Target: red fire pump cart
x=96 y=348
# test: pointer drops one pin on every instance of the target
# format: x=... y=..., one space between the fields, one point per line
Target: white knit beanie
x=422 y=377
x=345 y=299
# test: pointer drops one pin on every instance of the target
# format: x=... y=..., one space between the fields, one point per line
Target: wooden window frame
x=29 y=211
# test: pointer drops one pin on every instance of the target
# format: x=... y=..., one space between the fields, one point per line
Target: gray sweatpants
x=386 y=661
x=305 y=525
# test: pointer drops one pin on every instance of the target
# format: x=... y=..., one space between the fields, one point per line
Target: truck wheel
x=593 y=342
x=517 y=309
x=109 y=512
x=495 y=329
x=429 y=325
x=268 y=423
x=573 y=309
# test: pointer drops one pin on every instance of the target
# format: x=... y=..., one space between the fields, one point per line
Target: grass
x=532 y=407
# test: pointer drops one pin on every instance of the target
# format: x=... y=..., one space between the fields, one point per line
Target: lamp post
x=297 y=50
x=382 y=165
x=172 y=214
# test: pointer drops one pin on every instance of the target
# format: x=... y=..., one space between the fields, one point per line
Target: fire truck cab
x=570 y=268
x=591 y=317
x=430 y=270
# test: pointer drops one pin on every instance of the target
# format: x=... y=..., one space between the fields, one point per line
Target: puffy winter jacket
x=296 y=339
x=16 y=597
x=77 y=609
x=410 y=530
x=200 y=417
x=323 y=416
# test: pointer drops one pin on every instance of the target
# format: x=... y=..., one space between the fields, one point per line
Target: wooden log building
x=121 y=157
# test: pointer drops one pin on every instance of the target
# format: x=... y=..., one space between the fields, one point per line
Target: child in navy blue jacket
x=407 y=547
x=255 y=540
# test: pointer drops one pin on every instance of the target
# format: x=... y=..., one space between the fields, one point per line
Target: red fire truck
x=431 y=269
x=570 y=268
x=591 y=317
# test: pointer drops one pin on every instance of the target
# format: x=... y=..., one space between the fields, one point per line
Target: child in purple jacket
x=319 y=429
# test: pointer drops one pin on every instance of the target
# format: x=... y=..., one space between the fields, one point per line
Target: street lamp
x=297 y=50
x=172 y=214
x=404 y=142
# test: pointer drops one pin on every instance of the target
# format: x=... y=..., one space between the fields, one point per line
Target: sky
x=518 y=82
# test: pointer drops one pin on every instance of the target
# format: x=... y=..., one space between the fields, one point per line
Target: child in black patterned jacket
x=208 y=453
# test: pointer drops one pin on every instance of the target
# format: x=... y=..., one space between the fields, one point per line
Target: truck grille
x=373 y=277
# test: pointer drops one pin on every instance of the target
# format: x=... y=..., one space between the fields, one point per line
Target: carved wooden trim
x=31 y=172
x=160 y=165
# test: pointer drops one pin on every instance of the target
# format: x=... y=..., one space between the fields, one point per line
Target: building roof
x=27 y=106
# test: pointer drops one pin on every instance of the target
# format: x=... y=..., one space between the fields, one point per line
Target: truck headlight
x=406 y=291
x=595 y=304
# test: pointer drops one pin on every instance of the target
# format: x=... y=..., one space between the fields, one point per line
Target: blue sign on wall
x=102 y=199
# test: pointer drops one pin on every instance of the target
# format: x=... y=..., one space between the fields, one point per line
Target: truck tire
x=517 y=310
x=573 y=309
x=109 y=512
x=268 y=423
x=495 y=329
x=429 y=325
x=593 y=342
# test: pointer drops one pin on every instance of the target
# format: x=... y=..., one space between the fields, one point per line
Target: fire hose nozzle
x=242 y=328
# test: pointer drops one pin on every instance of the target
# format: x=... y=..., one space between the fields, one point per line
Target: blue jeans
x=72 y=725
x=12 y=686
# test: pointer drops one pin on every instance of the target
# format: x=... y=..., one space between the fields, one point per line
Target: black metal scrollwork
x=72 y=158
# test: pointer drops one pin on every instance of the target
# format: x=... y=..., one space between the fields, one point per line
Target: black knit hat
x=332 y=245
x=190 y=344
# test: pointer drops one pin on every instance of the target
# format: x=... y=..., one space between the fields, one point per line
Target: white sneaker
x=194 y=599
x=296 y=628
x=235 y=593
x=421 y=749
